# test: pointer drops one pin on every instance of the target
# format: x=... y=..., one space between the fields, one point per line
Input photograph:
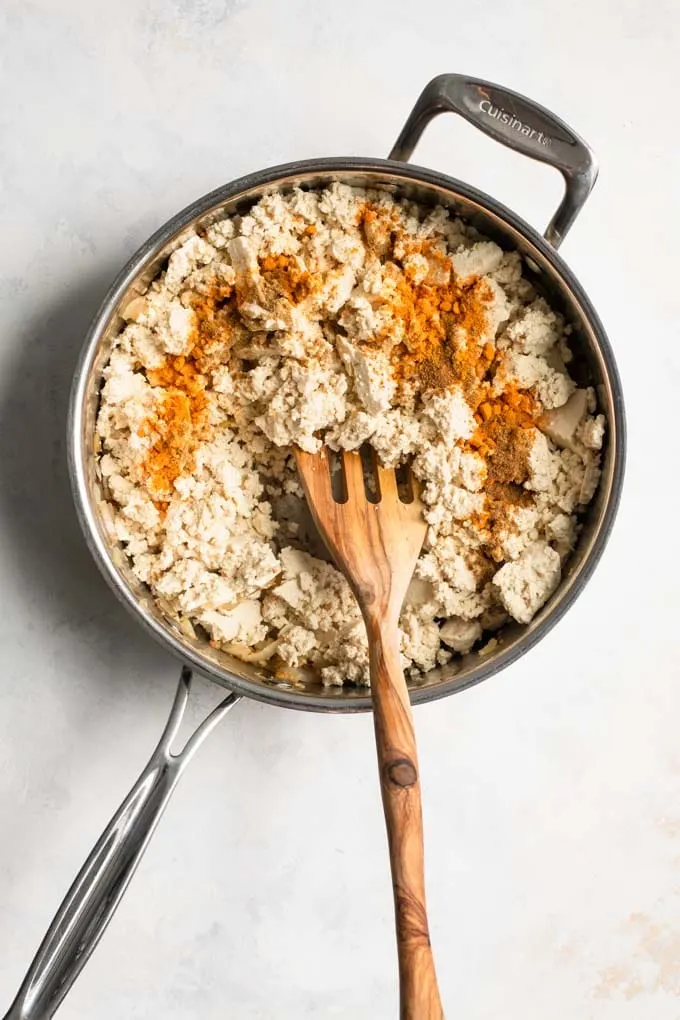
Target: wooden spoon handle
x=400 y=786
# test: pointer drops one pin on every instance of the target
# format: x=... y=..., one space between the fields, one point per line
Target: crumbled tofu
x=450 y=414
x=535 y=330
x=290 y=324
x=420 y=641
x=296 y=645
x=242 y=624
x=523 y=528
x=540 y=463
x=530 y=371
x=561 y=533
x=459 y=634
x=395 y=436
x=194 y=252
x=591 y=479
x=561 y=423
x=306 y=397
x=419 y=594
x=314 y=596
x=527 y=583
x=479 y=260
x=591 y=432
x=371 y=374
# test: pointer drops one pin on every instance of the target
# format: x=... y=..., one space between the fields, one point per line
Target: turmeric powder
x=444 y=318
x=445 y=323
x=180 y=418
x=286 y=275
x=434 y=316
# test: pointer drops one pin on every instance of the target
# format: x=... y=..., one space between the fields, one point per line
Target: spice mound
x=343 y=316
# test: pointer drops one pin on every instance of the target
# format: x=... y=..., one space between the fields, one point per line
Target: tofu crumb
x=525 y=585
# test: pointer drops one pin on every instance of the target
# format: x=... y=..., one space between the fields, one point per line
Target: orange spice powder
x=285 y=274
x=445 y=322
x=437 y=311
x=502 y=434
x=180 y=419
x=433 y=316
x=176 y=423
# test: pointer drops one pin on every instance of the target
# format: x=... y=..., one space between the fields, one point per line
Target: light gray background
x=552 y=792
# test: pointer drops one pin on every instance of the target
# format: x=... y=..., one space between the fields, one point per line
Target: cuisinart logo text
x=498 y=113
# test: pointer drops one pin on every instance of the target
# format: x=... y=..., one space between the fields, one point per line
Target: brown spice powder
x=502 y=434
x=503 y=437
x=285 y=274
x=433 y=352
x=496 y=519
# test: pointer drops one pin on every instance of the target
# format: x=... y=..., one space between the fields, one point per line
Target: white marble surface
x=552 y=792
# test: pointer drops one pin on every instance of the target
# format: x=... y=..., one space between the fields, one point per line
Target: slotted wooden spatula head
x=375 y=536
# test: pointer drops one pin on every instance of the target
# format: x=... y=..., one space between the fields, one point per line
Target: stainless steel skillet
x=510 y=119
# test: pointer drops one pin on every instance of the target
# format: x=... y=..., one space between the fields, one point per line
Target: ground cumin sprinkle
x=285 y=274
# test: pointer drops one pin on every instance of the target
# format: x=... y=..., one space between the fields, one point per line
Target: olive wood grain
x=376 y=546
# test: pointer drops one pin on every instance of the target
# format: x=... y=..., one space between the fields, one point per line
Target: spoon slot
x=369 y=466
x=405 y=487
x=336 y=470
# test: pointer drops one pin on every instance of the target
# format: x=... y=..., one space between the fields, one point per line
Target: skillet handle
x=90 y=902
x=515 y=121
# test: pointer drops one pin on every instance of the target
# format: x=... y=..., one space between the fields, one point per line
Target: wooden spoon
x=376 y=545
